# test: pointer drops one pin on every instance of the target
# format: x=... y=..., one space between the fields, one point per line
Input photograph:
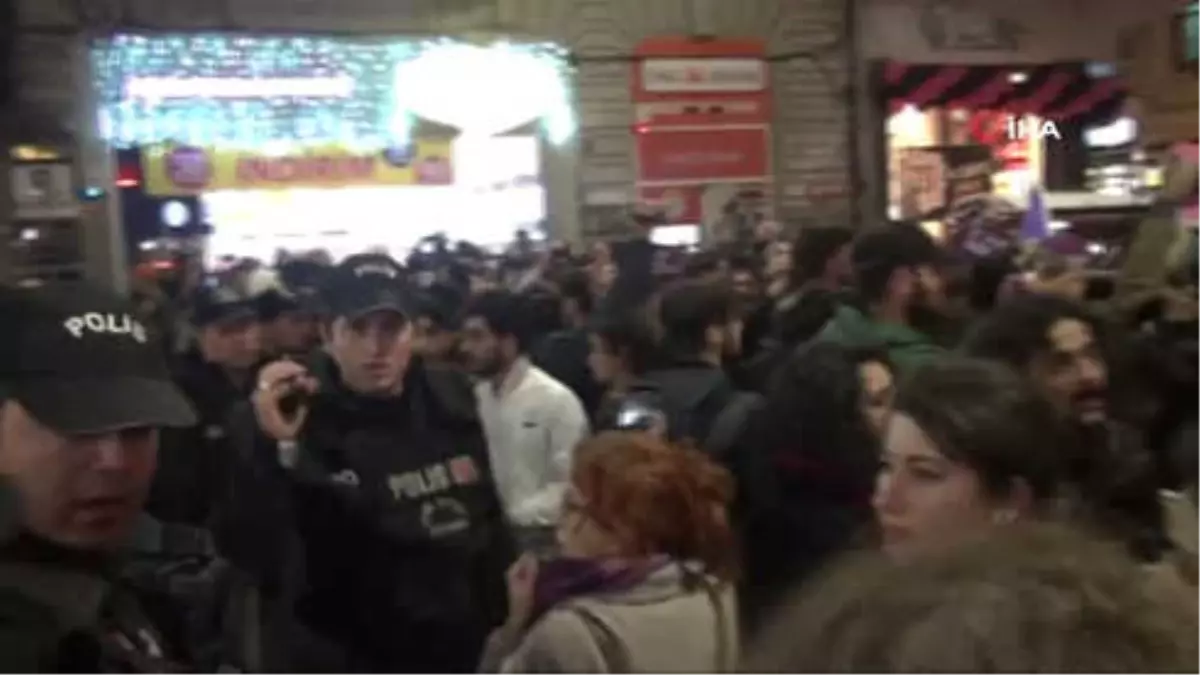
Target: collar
x=512 y=379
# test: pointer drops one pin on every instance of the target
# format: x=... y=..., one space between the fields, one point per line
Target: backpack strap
x=612 y=649
x=724 y=662
x=729 y=423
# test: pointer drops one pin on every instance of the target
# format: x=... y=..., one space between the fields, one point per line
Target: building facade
x=821 y=168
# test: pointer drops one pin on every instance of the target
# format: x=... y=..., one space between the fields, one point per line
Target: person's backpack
x=729 y=425
x=717 y=435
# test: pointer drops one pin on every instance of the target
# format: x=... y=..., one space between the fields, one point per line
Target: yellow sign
x=182 y=170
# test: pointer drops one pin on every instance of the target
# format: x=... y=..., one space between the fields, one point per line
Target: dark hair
x=986 y=277
x=1018 y=330
x=543 y=312
x=881 y=251
x=742 y=262
x=813 y=413
x=441 y=304
x=628 y=336
x=814 y=249
x=688 y=309
x=505 y=312
x=576 y=287
x=985 y=415
x=702 y=264
x=1032 y=598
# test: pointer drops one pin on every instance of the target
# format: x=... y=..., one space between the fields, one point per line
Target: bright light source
x=497 y=89
x=908 y=122
x=1018 y=77
x=160 y=88
x=1059 y=225
x=1096 y=248
x=176 y=214
x=148 y=245
x=30 y=234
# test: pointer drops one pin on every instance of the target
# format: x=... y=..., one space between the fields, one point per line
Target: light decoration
x=240 y=91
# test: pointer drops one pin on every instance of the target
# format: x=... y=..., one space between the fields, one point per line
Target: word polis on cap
x=105 y=324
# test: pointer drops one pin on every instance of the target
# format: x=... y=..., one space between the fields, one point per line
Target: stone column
x=103 y=235
x=560 y=177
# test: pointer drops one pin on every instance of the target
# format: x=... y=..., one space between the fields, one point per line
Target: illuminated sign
x=163 y=88
x=180 y=170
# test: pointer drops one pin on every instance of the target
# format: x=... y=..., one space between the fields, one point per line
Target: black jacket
x=691 y=393
x=387 y=539
x=194 y=463
x=58 y=609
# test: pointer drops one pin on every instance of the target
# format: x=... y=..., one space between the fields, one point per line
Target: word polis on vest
x=1018 y=128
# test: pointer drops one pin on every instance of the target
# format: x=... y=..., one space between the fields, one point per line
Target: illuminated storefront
x=296 y=142
x=1006 y=126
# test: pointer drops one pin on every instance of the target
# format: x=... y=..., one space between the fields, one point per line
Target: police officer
x=288 y=309
x=216 y=373
x=369 y=467
x=84 y=391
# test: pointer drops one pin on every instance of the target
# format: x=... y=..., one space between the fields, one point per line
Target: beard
x=1089 y=406
x=489 y=366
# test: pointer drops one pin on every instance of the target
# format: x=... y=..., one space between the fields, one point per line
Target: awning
x=1058 y=91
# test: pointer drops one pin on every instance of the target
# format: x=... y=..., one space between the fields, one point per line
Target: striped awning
x=1058 y=91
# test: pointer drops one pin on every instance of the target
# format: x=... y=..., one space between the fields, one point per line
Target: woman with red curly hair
x=643 y=580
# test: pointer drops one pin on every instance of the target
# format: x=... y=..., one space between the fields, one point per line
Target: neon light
x=162 y=88
x=223 y=91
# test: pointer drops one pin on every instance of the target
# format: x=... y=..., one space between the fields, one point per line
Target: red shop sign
x=702 y=155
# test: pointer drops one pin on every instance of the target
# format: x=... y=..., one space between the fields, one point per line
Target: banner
x=703 y=155
x=183 y=170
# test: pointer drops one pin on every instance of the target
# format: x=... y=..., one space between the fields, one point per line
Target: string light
x=317 y=91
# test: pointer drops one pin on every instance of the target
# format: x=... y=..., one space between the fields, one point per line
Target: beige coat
x=658 y=627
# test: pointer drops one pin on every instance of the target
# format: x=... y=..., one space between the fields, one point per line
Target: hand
x=276 y=382
x=522 y=578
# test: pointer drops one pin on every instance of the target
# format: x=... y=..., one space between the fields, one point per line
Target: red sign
x=688 y=82
x=703 y=155
x=991 y=128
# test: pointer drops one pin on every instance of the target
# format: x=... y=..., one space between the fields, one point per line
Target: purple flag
x=1035 y=224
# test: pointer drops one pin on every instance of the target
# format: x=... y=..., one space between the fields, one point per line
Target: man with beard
x=532 y=421
x=901 y=293
x=1059 y=346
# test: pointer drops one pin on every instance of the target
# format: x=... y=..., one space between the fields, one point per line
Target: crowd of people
x=820 y=451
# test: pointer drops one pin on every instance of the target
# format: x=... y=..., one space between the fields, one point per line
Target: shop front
x=299 y=143
x=982 y=102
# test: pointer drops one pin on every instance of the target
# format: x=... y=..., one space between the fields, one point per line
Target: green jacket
x=905 y=347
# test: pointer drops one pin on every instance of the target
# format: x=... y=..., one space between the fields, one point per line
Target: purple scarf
x=560 y=579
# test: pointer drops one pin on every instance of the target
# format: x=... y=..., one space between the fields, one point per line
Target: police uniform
x=390 y=512
x=80 y=363
x=194 y=465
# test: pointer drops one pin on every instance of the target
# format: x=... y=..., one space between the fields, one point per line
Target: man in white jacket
x=532 y=421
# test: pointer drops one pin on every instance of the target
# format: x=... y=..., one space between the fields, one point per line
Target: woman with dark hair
x=643 y=581
x=969 y=445
x=807 y=493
